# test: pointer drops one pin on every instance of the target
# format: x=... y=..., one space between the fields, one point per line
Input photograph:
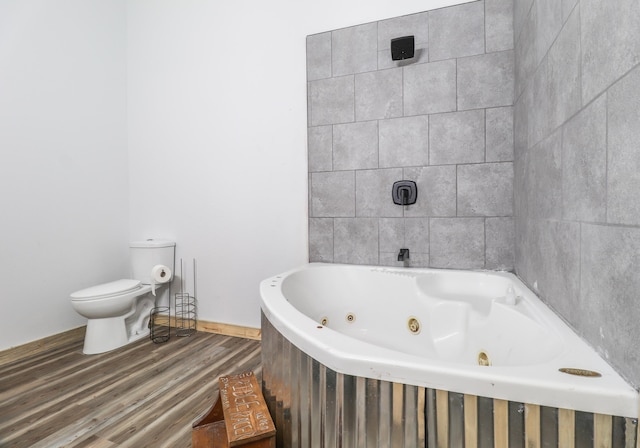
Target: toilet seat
x=105 y=290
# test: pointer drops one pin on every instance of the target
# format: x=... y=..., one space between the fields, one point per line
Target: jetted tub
x=477 y=334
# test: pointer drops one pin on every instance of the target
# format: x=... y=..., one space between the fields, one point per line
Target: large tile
x=456 y=31
x=485 y=80
x=333 y=194
x=521 y=10
x=623 y=160
x=320 y=148
x=416 y=25
x=430 y=88
x=416 y=260
x=528 y=259
x=541 y=113
x=548 y=25
x=436 y=191
x=391 y=234
x=354 y=49
x=584 y=164
x=356 y=240
x=404 y=141
x=557 y=266
x=564 y=72
x=499 y=25
x=525 y=53
x=610 y=44
x=331 y=101
x=548 y=261
x=420 y=56
x=609 y=311
x=457 y=137
x=417 y=235
x=521 y=120
x=456 y=243
x=373 y=193
x=355 y=146
x=318 y=56
x=567 y=8
x=411 y=233
x=541 y=181
x=321 y=240
x=499 y=134
x=485 y=189
x=379 y=95
x=500 y=243
x=520 y=170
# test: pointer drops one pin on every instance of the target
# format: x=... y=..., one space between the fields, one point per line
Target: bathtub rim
x=610 y=394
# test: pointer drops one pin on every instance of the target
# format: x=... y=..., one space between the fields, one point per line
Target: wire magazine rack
x=160 y=324
x=186 y=305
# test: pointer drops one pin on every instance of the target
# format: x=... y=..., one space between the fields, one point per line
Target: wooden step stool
x=239 y=417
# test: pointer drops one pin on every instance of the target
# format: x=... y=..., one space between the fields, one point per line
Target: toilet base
x=104 y=335
x=138 y=336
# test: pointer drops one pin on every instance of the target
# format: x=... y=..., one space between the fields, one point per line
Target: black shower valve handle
x=404 y=192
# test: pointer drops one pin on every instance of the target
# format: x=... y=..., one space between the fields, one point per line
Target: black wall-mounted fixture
x=402 y=48
x=404 y=192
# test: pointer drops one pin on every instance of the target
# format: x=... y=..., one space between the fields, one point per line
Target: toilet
x=118 y=312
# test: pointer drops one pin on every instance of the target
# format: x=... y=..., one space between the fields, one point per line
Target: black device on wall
x=404 y=192
x=402 y=48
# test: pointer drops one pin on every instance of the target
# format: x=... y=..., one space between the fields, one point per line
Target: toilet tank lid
x=152 y=243
x=107 y=289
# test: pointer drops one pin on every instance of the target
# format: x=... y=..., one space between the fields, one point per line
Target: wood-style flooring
x=141 y=395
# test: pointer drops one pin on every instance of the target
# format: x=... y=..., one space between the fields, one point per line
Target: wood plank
x=397 y=416
x=566 y=428
x=237 y=331
x=173 y=394
x=500 y=423
x=442 y=418
x=49 y=343
x=422 y=416
x=73 y=387
x=96 y=442
x=141 y=395
x=532 y=433
x=230 y=330
x=470 y=421
x=41 y=345
x=602 y=430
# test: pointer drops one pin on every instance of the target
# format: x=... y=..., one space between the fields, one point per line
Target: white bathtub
x=356 y=320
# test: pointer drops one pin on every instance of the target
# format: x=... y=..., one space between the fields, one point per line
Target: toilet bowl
x=118 y=312
x=106 y=308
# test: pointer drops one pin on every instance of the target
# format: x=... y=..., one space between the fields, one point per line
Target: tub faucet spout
x=403 y=255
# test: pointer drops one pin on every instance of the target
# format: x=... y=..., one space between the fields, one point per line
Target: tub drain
x=483 y=359
x=580 y=372
x=414 y=325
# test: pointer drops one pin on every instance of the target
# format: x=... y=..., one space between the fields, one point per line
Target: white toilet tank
x=146 y=254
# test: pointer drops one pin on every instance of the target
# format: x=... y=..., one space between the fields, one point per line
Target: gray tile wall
x=577 y=166
x=443 y=119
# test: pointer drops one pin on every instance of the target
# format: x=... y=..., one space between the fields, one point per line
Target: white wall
x=63 y=166
x=206 y=99
x=217 y=134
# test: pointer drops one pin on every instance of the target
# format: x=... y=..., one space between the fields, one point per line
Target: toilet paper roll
x=159 y=274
